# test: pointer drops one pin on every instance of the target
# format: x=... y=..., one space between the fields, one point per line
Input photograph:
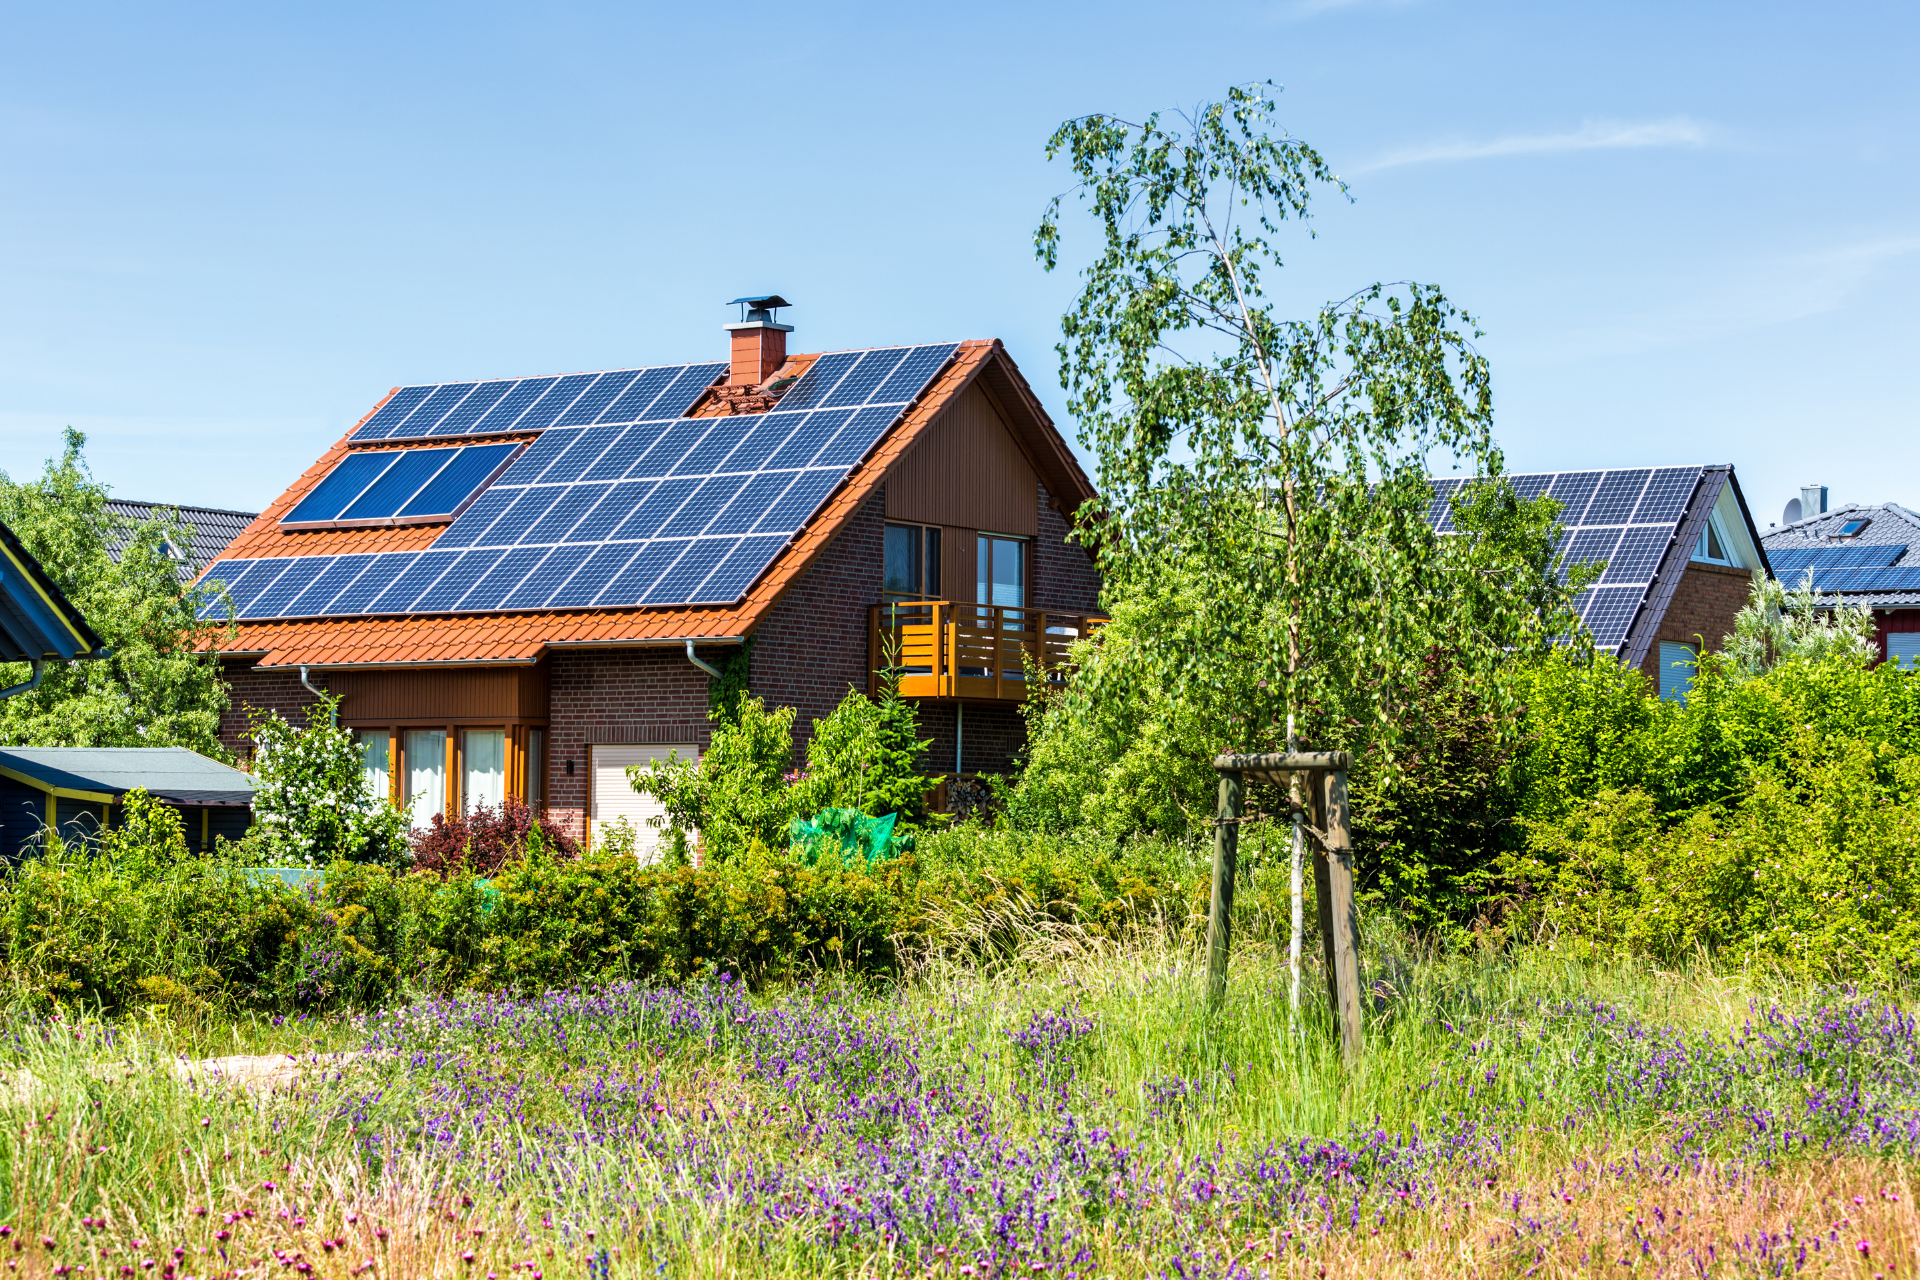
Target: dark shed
x=77 y=790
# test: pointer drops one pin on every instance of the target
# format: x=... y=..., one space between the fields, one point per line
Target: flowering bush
x=311 y=804
x=486 y=838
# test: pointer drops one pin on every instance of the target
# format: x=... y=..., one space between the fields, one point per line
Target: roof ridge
x=187 y=506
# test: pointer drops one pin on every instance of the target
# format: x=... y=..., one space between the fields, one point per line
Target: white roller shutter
x=614 y=797
x=1903 y=648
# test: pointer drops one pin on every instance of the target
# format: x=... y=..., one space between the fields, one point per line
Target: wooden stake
x=1343 y=912
x=1226 y=854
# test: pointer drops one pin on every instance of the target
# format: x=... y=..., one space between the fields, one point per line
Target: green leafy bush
x=311 y=804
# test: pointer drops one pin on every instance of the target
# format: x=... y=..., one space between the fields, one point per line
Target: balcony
x=973 y=652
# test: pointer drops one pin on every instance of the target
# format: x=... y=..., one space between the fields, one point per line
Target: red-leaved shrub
x=485 y=838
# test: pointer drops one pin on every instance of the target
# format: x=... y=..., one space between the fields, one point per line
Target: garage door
x=614 y=797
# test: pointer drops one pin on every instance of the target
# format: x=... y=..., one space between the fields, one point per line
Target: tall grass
x=1070 y=1108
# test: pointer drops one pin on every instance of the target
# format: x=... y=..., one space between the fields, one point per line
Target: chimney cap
x=770 y=300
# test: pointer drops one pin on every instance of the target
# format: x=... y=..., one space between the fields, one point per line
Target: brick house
x=1681 y=551
x=1862 y=554
x=520 y=587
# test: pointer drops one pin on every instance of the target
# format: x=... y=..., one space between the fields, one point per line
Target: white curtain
x=486 y=768
x=373 y=761
x=426 y=775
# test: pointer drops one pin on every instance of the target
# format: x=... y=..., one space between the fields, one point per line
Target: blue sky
x=1690 y=231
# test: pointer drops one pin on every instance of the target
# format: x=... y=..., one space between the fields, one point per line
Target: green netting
x=855 y=835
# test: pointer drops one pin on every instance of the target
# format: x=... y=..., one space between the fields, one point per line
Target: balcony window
x=913 y=562
x=1002 y=574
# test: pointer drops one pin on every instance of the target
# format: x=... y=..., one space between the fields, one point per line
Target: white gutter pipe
x=707 y=667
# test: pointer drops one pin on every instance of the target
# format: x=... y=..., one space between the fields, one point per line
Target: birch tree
x=1288 y=459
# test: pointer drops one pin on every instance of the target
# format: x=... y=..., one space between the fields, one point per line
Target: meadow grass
x=1072 y=1109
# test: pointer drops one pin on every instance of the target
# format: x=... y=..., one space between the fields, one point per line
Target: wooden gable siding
x=967 y=472
x=448 y=695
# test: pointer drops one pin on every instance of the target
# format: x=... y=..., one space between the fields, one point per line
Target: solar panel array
x=674 y=511
x=534 y=404
x=400 y=485
x=1787 y=560
x=1626 y=518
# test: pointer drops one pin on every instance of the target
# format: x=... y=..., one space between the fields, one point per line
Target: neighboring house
x=1861 y=554
x=212 y=529
x=1681 y=552
x=37 y=623
x=520 y=587
x=79 y=790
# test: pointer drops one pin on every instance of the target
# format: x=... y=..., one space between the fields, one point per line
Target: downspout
x=39 y=674
x=332 y=708
x=707 y=667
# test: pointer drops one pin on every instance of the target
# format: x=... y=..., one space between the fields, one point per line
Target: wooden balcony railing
x=945 y=649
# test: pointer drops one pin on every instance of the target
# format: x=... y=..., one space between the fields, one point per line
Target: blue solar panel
x=325 y=586
x=858 y=436
x=1638 y=555
x=585 y=450
x=686 y=388
x=470 y=529
x=620 y=456
x=1904 y=578
x=413 y=580
x=633 y=403
x=705 y=457
x=699 y=510
x=865 y=378
x=670 y=448
x=504 y=415
x=555 y=568
x=605 y=389
x=459 y=579
x=392 y=413
x=1440 y=510
x=1528 y=487
x=559 y=398
x=1573 y=490
x=574 y=502
x=632 y=583
x=812 y=436
x=762 y=440
x=458 y=481
x=1667 y=495
x=911 y=378
x=797 y=504
x=818 y=382
x=473 y=408
x=512 y=526
x=682 y=582
x=617 y=502
x=300 y=571
x=410 y=472
x=753 y=501
x=423 y=420
x=737 y=572
x=654 y=510
x=1834 y=556
x=232 y=574
x=1614 y=501
x=499 y=581
x=593 y=576
x=1592 y=544
x=1609 y=612
x=339 y=487
x=378 y=577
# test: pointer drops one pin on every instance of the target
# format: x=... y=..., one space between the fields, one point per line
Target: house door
x=614 y=798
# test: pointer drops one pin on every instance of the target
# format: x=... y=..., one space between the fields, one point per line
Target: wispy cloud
x=1598 y=135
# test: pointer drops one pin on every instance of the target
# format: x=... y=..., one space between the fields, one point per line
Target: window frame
x=927 y=553
x=1711 y=533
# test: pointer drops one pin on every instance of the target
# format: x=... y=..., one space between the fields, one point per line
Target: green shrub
x=311 y=804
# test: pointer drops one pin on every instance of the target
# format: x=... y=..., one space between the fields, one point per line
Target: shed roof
x=174 y=774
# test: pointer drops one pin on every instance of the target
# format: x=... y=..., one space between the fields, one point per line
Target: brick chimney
x=759 y=341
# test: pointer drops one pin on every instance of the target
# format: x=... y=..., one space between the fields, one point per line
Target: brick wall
x=617 y=695
x=275 y=689
x=813 y=643
x=1063 y=573
x=1703 y=606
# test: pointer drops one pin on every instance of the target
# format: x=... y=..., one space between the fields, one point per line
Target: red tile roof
x=523 y=637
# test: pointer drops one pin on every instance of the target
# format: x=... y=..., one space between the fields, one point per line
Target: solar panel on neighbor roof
x=1626 y=518
x=664 y=511
x=1828 y=556
x=534 y=404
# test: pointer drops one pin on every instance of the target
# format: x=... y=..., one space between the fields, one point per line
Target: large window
x=537 y=768
x=375 y=762
x=913 y=562
x=1002 y=572
x=484 y=766
x=426 y=775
